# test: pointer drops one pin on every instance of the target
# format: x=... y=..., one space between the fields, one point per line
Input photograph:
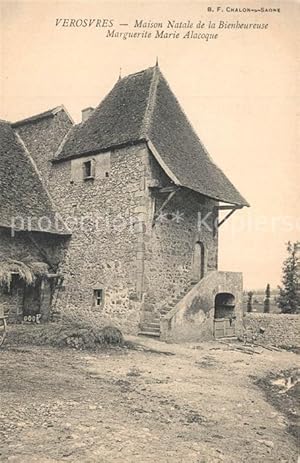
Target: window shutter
x=93 y=168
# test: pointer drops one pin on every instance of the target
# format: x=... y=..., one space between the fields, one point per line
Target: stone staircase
x=173 y=301
x=151 y=326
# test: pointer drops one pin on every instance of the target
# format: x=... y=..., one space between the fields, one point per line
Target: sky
x=239 y=92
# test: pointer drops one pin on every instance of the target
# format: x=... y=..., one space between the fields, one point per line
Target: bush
x=68 y=333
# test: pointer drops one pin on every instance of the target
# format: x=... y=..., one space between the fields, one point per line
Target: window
x=98 y=297
x=89 y=169
x=198 y=264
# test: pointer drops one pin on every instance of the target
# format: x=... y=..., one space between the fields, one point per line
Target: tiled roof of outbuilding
x=140 y=107
x=24 y=201
x=43 y=115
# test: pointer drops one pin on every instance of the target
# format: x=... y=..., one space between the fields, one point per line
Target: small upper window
x=98 y=297
x=89 y=169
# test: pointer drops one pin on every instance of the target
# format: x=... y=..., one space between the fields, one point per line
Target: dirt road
x=191 y=403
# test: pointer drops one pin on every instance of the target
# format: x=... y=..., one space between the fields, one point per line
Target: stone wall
x=106 y=215
x=43 y=137
x=114 y=245
x=273 y=329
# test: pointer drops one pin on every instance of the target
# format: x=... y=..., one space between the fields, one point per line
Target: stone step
x=152 y=334
x=151 y=328
x=151 y=323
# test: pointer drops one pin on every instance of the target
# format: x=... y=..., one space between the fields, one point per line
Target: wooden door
x=224 y=327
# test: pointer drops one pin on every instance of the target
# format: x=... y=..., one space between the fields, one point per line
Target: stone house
x=141 y=196
x=29 y=256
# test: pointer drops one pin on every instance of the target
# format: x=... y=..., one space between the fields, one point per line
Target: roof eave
x=62 y=233
x=240 y=204
x=176 y=181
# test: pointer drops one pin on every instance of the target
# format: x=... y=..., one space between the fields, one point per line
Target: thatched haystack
x=39 y=269
x=29 y=272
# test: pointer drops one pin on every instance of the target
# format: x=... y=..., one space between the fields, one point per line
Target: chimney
x=86 y=112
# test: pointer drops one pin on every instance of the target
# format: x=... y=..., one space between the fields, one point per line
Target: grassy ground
x=70 y=333
x=152 y=402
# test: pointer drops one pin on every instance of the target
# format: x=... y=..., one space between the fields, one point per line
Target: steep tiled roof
x=23 y=197
x=182 y=151
x=140 y=107
x=116 y=121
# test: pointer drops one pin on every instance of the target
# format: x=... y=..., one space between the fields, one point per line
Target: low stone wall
x=279 y=329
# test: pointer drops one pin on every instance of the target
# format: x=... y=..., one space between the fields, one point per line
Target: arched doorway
x=224 y=315
x=198 y=261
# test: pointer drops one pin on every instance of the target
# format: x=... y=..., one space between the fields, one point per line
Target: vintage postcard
x=149 y=231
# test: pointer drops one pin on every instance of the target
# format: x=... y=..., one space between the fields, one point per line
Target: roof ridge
x=63 y=108
x=44 y=114
x=41 y=180
x=31 y=160
x=136 y=73
x=151 y=102
x=25 y=201
x=62 y=143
